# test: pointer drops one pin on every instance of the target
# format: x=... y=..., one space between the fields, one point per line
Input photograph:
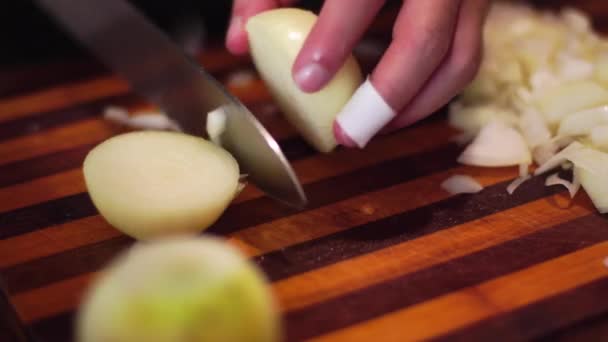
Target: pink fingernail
x=235 y=28
x=341 y=137
x=311 y=77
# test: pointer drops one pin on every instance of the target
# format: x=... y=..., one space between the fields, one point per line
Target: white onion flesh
x=461 y=184
x=544 y=81
x=572 y=187
x=142 y=120
x=489 y=148
x=216 y=124
x=516 y=183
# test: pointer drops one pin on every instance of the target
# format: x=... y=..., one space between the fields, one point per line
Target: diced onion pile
x=540 y=97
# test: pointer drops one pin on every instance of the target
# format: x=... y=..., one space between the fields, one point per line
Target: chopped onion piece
x=606 y=262
x=582 y=122
x=572 y=187
x=516 y=183
x=595 y=186
x=461 y=184
x=599 y=137
x=216 y=124
x=116 y=114
x=152 y=121
x=559 y=158
x=496 y=145
x=556 y=102
x=240 y=79
x=524 y=170
x=140 y=120
x=542 y=153
x=533 y=128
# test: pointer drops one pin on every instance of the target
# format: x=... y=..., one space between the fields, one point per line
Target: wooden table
x=381 y=253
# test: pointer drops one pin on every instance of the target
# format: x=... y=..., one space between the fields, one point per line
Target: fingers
x=339 y=27
x=457 y=70
x=236 y=37
x=422 y=36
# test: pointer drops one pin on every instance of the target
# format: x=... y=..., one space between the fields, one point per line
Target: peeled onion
x=179 y=289
x=150 y=184
x=275 y=38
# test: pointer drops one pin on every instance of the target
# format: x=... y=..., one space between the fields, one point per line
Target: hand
x=435 y=51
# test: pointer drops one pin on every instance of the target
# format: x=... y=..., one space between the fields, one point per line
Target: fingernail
x=311 y=77
x=341 y=137
x=235 y=28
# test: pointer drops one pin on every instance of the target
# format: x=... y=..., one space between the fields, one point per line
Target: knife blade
x=123 y=39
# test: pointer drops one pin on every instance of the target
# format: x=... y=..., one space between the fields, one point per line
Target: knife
x=123 y=39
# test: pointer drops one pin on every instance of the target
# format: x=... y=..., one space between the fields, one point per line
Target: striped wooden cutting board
x=381 y=252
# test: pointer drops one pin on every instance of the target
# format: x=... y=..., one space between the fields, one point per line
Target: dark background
x=27 y=35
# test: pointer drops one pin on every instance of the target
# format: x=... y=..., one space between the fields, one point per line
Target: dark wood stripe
x=25 y=170
x=59 y=328
x=52 y=268
x=592 y=329
x=535 y=320
x=396 y=229
x=65 y=209
x=444 y=278
x=11 y=327
x=28 y=78
x=36 y=123
x=28 y=219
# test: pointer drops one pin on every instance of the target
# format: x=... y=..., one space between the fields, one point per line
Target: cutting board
x=381 y=252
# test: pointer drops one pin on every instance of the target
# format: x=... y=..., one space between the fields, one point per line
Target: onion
x=140 y=120
x=216 y=124
x=572 y=187
x=516 y=183
x=599 y=137
x=496 y=145
x=582 y=122
x=461 y=184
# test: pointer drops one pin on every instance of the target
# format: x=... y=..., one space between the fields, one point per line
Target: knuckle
x=433 y=42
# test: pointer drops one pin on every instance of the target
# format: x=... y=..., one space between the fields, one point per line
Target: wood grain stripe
x=85 y=132
x=593 y=329
x=43 y=121
x=392 y=230
x=328 y=282
x=453 y=275
x=66 y=95
x=431 y=249
x=534 y=320
x=256 y=211
x=436 y=317
x=24 y=170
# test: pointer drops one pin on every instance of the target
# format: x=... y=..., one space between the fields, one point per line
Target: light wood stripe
x=18 y=249
x=458 y=309
x=395 y=261
x=56 y=139
x=74 y=93
x=61 y=97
